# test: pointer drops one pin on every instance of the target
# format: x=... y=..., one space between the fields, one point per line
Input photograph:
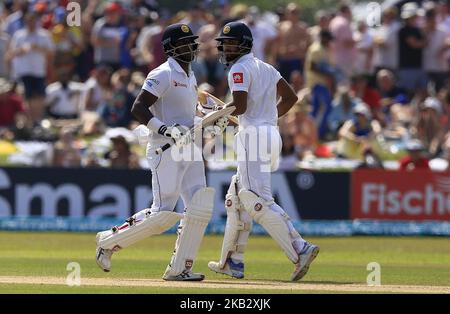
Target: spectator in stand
x=264 y=36
x=412 y=41
x=207 y=67
x=343 y=51
x=393 y=98
x=364 y=49
x=293 y=42
x=386 y=42
x=16 y=20
x=109 y=36
x=6 y=8
x=342 y=111
x=149 y=43
x=195 y=18
x=297 y=81
x=369 y=95
x=31 y=52
x=4 y=63
x=416 y=159
x=389 y=92
x=98 y=88
x=117 y=111
x=428 y=128
x=322 y=20
x=443 y=14
x=121 y=156
x=11 y=105
x=63 y=97
x=66 y=152
x=436 y=51
x=67 y=40
x=302 y=127
x=318 y=74
x=359 y=134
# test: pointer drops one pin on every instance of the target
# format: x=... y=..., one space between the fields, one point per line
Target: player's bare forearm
x=288 y=97
x=240 y=102
x=140 y=107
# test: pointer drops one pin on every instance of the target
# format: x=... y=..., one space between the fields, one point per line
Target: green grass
x=404 y=261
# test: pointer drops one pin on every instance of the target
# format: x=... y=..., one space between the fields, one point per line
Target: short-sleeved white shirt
x=259 y=80
x=33 y=63
x=433 y=59
x=176 y=92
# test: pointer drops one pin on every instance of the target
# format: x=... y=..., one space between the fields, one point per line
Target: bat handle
x=162 y=149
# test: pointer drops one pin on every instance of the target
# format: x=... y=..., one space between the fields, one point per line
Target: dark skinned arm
x=140 y=106
x=240 y=102
x=288 y=97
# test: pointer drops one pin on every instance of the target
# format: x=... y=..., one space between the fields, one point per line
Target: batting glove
x=179 y=133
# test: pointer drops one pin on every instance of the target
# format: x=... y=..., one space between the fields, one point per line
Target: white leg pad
x=237 y=228
x=195 y=221
x=145 y=224
x=274 y=223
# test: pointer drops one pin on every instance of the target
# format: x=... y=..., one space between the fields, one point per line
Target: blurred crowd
x=366 y=92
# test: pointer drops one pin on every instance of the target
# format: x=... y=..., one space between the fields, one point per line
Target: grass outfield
x=36 y=263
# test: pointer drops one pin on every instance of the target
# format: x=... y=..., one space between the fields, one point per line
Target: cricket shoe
x=232 y=269
x=305 y=258
x=103 y=256
x=186 y=275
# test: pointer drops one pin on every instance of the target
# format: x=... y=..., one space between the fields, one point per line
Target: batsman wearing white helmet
x=167 y=105
x=255 y=86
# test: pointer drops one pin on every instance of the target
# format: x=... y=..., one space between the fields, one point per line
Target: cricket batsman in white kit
x=167 y=105
x=255 y=86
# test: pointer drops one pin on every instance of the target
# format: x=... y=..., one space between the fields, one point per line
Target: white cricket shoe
x=103 y=256
x=232 y=269
x=186 y=275
x=306 y=256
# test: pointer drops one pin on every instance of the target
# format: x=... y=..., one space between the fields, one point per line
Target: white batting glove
x=179 y=133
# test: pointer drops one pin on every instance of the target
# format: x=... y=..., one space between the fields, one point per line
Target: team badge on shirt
x=238 y=78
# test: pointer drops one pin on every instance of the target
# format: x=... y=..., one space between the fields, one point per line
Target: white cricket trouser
x=173 y=178
x=258 y=152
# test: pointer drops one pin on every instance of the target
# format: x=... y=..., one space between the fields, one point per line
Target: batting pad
x=273 y=222
x=237 y=228
x=196 y=218
x=155 y=223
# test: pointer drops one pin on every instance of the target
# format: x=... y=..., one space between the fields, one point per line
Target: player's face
x=231 y=49
x=186 y=49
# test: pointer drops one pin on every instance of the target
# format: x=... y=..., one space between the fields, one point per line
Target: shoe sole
x=99 y=265
x=227 y=274
x=189 y=279
x=305 y=269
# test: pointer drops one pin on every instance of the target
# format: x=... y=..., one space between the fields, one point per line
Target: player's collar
x=177 y=67
x=245 y=57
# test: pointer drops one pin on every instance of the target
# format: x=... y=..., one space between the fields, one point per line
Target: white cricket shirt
x=259 y=80
x=176 y=92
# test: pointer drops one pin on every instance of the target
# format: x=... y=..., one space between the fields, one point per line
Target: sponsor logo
x=258 y=207
x=154 y=81
x=178 y=84
x=238 y=78
x=229 y=203
x=414 y=195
